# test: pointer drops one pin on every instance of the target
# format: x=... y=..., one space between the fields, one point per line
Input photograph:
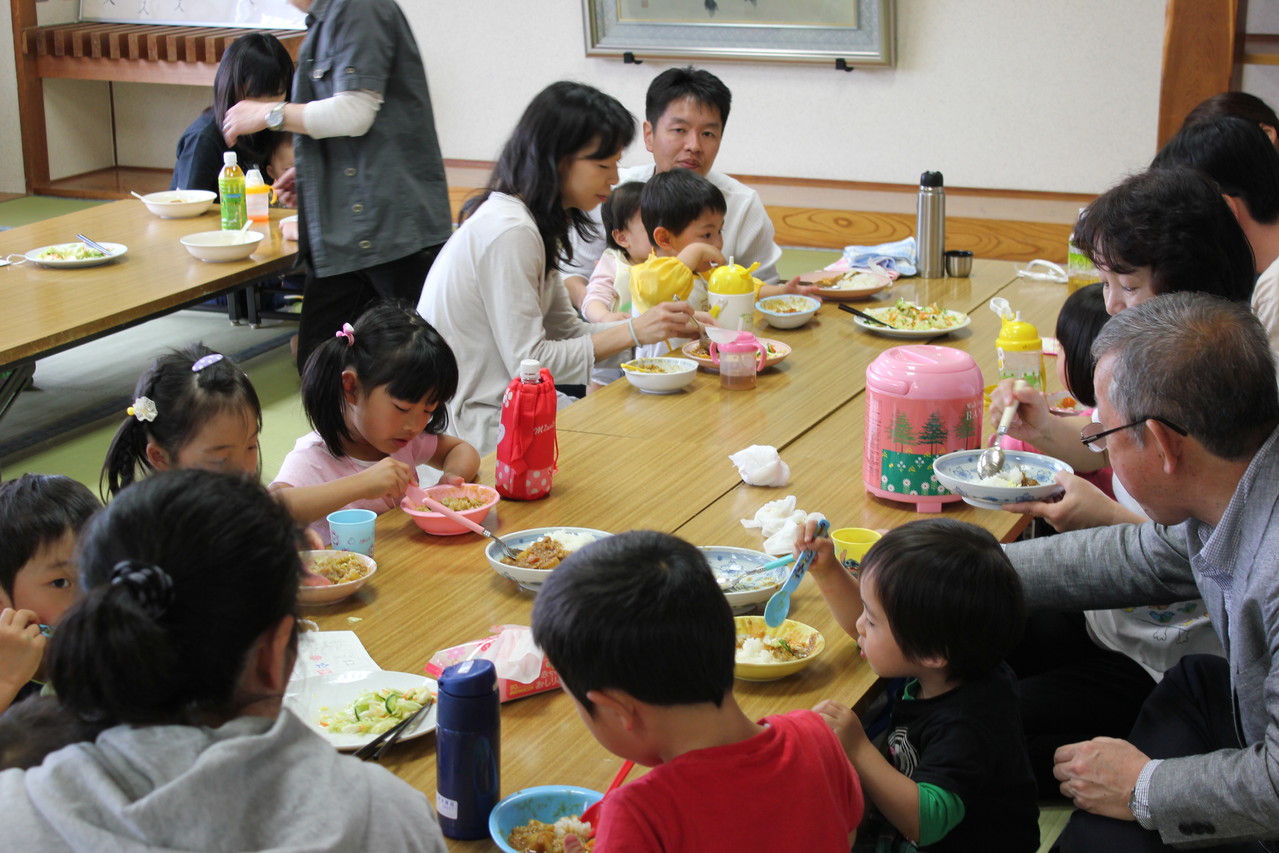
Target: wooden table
x=629 y=460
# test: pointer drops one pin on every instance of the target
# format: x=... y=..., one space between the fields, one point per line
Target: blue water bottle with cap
x=468 y=756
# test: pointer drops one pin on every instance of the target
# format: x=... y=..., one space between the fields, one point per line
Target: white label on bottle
x=446 y=807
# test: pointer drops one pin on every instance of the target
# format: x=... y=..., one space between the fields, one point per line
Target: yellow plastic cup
x=852 y=543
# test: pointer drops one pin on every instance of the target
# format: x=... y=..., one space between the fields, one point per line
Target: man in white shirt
x=685 y=113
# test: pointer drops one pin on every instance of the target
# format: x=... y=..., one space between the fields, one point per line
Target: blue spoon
x=779 y=604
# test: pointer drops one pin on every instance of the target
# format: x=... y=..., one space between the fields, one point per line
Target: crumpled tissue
x=761 y=465
x=522 y=669
x=779 y=521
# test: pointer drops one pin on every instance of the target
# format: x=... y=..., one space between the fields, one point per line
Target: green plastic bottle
x=231 y=193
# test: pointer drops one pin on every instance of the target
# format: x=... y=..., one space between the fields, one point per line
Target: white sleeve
x=756 y=241
x=586 y=253
x=345 y=114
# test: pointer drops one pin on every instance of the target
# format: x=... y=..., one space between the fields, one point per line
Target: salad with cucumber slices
x=69 y=252
x=376 y=711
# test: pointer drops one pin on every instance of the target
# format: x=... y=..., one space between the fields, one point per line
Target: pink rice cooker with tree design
x=922 y=401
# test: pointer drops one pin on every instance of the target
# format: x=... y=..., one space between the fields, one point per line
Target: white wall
x=1057 y=95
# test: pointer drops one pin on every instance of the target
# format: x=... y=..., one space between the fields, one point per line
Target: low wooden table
x=630 y=460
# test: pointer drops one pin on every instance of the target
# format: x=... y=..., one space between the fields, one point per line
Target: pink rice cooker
x=922 y=401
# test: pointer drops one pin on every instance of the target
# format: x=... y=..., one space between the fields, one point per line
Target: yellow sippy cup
x=731 y=290
x=1019 y=347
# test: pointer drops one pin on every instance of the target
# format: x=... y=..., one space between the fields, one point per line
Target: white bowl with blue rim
x=530 y=579
x=958 y=472
x=728 y=562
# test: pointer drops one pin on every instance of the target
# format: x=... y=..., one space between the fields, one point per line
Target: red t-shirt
x=788 y=788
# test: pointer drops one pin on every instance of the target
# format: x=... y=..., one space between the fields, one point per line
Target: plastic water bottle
x=257 y=196
x=231 y=193
x=468 y=755
x=930 y=225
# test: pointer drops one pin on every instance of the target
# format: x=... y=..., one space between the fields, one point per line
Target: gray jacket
x=1234 y=568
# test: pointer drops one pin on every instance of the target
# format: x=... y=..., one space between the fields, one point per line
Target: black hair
x=1078 y=323
x=674 y=198
x=947 y=590
x=255 y=65
x=640 y=612
x=674 y=84
x=134 y=653
x=36 y=510
x=1175 y=222
x=391 y=345
x=617 y=211
x=185 y=400
x=1238 y=104
x=35 y=727
x=1236 y=154
x=562 y=120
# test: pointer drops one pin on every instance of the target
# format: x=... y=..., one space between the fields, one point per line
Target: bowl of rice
x=751 y=591
x=539 y=818
x=472 y=500
x=345 y=571
x=540 y=549
x=767 y=654
x=660 y=375
x=1026 y=476
x=788 y=312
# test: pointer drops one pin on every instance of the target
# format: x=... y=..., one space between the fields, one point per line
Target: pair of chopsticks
x=97 y=247
x=373 y=749
x=851 y=310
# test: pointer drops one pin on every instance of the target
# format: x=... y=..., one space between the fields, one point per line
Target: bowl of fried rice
x=539 y=818
x=540 y=550
x=333 y=576
x=472 y=500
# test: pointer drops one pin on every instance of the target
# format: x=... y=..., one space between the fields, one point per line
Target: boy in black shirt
x=937 y=604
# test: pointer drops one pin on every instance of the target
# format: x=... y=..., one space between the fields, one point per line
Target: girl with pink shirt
x=375 y=394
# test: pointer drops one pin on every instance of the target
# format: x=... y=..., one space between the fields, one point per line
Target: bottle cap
x=228 y=158
x=530 y=370
x=469 y=678
x=253 y=177
x=1018 y=335
x=930 y=179
x=744 y=342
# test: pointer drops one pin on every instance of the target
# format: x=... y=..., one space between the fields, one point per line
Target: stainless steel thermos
x=930 y=225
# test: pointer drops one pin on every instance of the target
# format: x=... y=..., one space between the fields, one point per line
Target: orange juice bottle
x=231 y=193
x=257 y=196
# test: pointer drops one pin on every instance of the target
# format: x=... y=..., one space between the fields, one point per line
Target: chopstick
x=97 y=247
x=373 y=749
x=851 y=310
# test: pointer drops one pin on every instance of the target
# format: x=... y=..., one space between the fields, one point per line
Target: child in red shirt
x=644 y=642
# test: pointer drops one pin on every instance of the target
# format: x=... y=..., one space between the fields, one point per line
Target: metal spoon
x=991 y=461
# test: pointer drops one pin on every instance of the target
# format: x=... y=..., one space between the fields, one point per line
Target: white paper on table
x=328 y=652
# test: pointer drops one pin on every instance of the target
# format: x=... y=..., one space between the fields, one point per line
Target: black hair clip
x=150 y=585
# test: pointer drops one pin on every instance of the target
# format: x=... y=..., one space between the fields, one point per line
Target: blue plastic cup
x=352 y=530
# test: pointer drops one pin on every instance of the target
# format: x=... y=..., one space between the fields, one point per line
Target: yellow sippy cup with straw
x=1019 y=347
x=732 y=292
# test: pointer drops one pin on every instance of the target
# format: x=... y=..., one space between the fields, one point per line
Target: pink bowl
x=438 y=524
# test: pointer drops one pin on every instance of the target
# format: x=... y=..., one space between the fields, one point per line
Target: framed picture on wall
x=266 y=14
x=858 y=32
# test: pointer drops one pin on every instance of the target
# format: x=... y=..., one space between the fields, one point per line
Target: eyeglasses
x=1093 y=436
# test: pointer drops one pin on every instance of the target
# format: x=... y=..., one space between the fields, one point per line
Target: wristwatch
x=275 y=117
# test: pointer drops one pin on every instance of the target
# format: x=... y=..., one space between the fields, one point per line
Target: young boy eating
x=937 y=604
x=40 y=516
x=644 y=642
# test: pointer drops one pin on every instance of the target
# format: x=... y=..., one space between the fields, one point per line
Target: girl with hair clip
x=375 y=394
x=192 y=408
x=181 y=650
x=255 y=65
x=495 y=291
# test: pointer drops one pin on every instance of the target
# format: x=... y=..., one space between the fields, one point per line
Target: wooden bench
x=134 y=53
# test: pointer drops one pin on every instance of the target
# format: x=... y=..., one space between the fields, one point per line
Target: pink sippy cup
x=739 y=360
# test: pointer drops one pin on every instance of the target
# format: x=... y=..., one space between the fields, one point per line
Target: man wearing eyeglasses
x=1189 y=411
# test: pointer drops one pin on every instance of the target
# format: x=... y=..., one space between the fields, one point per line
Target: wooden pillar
x=1200 y=43
x=35 y=141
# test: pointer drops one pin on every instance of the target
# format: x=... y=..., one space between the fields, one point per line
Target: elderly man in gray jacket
x=1188 y=410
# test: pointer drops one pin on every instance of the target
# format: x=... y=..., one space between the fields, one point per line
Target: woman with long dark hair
x=495 y=292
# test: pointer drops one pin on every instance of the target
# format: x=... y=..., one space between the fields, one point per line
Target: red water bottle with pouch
x=526 y=447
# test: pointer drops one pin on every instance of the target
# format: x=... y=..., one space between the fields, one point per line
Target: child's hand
x=845 y=724
x=572 y=844
x=21 y=648
x=447 y=479
x=824 y=549
x=387 y=479
x=700 y=257
x=792 y=286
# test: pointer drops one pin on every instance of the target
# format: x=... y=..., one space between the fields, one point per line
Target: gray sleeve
x=1221 y=797
x=1105 y=567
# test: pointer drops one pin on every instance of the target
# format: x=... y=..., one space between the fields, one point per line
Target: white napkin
x=761 y=465
x=780 y=522
x=514 y=654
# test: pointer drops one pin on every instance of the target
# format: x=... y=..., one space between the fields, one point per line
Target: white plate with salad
x=353 y=708
x=909 y=320
x=75 y=255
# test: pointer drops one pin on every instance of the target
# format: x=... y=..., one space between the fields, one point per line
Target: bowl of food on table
x=660 y=375
x=179 y=204
x=471 y=500
x=538 y=819
x=732 y=567
x=767 y=654
x=789 y=311
x=774 y=353
x=333 y=576
x=218 y=246
x=539 y=550
x=1025 y=476
x=352 y=707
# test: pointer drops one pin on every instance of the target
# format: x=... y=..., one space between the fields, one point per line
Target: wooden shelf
x=1260 y=50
